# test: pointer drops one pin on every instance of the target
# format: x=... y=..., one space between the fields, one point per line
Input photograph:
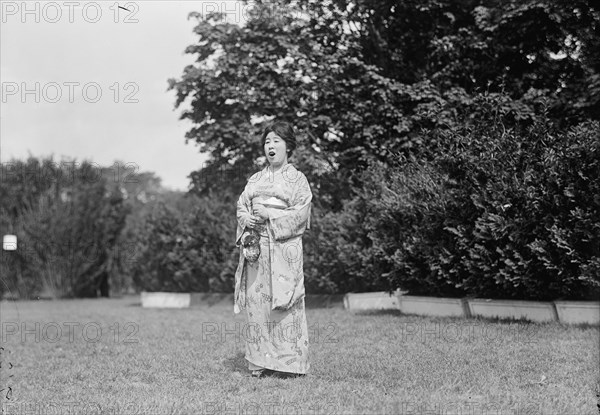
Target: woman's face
x=275 y=149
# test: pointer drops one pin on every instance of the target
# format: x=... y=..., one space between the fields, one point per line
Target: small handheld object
x=251 y=245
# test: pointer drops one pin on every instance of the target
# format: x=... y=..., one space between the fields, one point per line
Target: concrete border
x=433 y=306
x=513 y=309
x=379 y=300
x=568 y=312
x=578 y=312
x=165 y=300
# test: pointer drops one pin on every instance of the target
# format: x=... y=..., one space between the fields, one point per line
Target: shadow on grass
x=582 y=326
x=237 y=363
x=508 y=320
x=313 y=301
x=484 y=320
x=391 y=312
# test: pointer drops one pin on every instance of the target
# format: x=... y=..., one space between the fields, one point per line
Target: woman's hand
x=253 y=221
x=261 y=212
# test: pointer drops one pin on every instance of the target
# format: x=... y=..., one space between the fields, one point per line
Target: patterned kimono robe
x=271 y=289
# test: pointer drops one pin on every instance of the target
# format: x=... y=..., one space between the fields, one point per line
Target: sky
x=88 y=80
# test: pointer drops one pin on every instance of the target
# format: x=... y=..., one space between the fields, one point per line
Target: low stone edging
x=185 y=300
x=578 y=312
x=568 y=312
x=379 y=300
x=165 y=300
x=537 y=311
x=443 y=307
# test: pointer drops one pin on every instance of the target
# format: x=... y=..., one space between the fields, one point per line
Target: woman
x=273 y=212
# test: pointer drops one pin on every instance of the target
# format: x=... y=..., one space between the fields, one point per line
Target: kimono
x=271 y=289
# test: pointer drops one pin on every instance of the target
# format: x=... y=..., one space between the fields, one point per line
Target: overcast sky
x=109 y=61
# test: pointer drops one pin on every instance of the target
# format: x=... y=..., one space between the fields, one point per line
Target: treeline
x=77 y=224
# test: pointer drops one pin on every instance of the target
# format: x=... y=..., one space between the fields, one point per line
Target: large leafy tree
x=282 y=65
x=550 y=47
x=362 y=79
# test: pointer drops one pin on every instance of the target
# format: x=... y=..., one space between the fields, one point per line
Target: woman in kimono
x=273 y=212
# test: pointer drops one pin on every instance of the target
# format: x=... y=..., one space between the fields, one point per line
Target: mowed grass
x=169 y=361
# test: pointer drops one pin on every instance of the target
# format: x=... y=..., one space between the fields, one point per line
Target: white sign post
x=9 y=243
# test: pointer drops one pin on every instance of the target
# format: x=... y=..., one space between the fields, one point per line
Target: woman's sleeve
x=243 y=214
x=294 y=220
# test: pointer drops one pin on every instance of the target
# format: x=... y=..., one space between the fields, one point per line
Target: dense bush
x=164 y=259
x=213 y=224
x=190 y=248
x=502 y=210
x=335 y=259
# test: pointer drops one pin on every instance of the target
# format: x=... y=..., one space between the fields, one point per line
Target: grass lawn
x=113 y=356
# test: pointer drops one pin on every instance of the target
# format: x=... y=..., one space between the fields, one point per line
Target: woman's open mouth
x=271 y=154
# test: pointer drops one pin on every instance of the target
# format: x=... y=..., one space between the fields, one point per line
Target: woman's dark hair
x=283 y=130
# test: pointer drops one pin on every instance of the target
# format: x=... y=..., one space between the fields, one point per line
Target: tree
x=362 y=79
x=67 y=225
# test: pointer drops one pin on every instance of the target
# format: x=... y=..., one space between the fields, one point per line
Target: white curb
x=165 y=300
